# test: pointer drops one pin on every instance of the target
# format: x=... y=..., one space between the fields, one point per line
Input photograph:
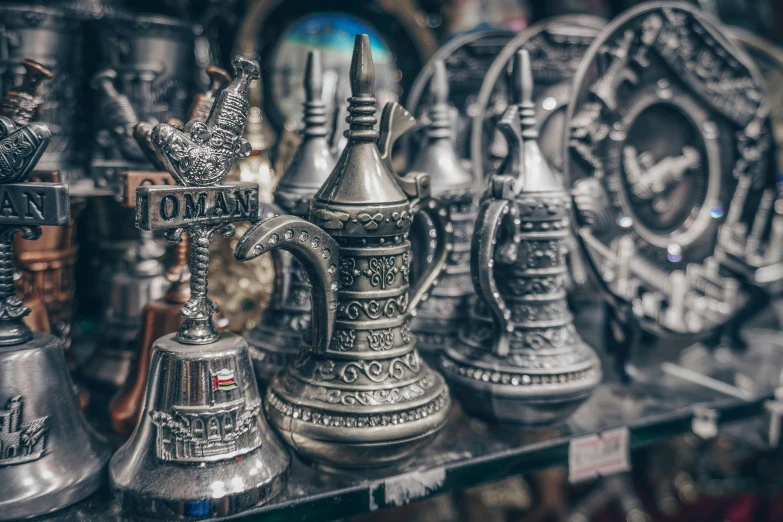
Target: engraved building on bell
x=222 y=427
x=20 y=441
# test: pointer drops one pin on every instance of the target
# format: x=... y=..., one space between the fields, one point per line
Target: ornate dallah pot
x=276 y=340
x=359 y=393
x=440 y=317
x=520 y=358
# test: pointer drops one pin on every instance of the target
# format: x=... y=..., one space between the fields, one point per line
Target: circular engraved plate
x=556 y=47
x=467 y=58
x=669 y=158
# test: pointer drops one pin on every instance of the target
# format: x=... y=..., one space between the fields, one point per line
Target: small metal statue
x=45 y=265
x=359 y=393
x=440 y=317
x=49 y=457
x=159 y=317
x=520 y=358
x=276 y=340
x=556 y=46
x=203 y=448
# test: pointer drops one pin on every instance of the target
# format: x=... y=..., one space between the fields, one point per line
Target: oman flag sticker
x=223 y=380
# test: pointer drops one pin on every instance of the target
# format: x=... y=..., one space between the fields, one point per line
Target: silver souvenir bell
x=49 y=457
x=359 y=394
x=520 y=358
x=440 y=317
x=202 y=448
x=276 y=340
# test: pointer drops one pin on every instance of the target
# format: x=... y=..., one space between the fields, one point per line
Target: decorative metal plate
x=670 y=164
x=769 y=59
x=556 y=47
x=467 y=57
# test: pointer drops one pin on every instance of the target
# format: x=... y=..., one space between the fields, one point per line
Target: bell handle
x=318 y=254
x=492 y=214
x=439 y=227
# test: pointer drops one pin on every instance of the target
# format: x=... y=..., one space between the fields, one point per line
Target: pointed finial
x=314 y=107
x=314 y=76
x=523 y=83
x=439 y=84
x=440 y=121
x=362 y=69
x=361 y=106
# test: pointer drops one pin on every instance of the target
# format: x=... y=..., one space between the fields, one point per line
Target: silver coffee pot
x=520 y=358
x=359 y=394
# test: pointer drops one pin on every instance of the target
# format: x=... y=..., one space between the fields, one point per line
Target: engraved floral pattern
x=370 y=222
x=382 y=271
x=376 y=397
x=344 y=340
x=380 y=340
x=374 y=308
x=376 y=371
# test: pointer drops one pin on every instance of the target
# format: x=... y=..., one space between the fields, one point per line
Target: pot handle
x=494 y=214
x=440 y=229
x=317 y=252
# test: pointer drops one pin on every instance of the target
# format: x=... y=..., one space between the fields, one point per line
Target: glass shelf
x=469 y=452
x=659 y=403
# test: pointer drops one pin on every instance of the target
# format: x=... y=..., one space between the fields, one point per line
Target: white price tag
x=594 y=455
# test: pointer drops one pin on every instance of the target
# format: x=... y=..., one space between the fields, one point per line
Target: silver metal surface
x=202 y=448
x=556 y=46
x=440 y=317
x=519 y=357
x=147 y=65
x=276 y=340
x=359 y=394
x=467 y=58
x=49 y=456
x=671 y=169
x=53 y=38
